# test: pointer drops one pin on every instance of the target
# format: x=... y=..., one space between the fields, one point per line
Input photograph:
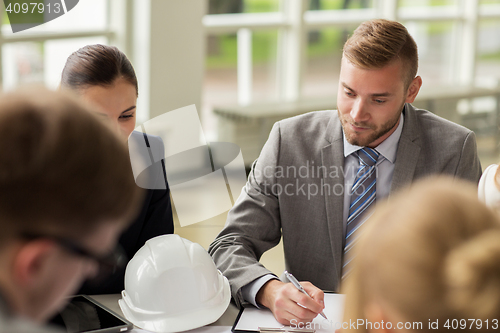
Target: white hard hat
x=172 y=285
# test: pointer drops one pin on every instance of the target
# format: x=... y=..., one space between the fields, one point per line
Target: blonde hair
x=376 y=43
x=431 y=253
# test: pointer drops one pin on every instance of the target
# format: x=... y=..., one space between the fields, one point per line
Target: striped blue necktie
x=363 y=194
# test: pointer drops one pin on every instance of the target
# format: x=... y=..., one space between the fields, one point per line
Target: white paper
x=204 y=329
x=253 y=318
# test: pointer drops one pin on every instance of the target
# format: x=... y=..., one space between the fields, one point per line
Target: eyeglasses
x=108 y=263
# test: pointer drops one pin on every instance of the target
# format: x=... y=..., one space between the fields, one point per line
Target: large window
x=37 y=55
x=289 y=50
x=488 y=48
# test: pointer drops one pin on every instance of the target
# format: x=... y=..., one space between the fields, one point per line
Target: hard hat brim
x=161 y=322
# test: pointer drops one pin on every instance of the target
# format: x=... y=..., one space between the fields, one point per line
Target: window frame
x=117 y=30
x=294 y=21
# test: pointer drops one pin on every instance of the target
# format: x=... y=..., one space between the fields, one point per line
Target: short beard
x=384 y=129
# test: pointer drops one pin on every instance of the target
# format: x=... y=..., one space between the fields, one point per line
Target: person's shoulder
x=431 y=123
x=302 y=136
x=488 y=192
x=488 y=177
x=491 y=169
x=310 y=121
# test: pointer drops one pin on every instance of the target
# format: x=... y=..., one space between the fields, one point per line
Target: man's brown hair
x=62 y=169
x=376 y=43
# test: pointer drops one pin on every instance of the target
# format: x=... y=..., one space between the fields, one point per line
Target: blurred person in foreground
x=319 y=173
x=66 y=193
x=428 y=261
x=104 y=77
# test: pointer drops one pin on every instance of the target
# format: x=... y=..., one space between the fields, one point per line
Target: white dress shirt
x=384 y=167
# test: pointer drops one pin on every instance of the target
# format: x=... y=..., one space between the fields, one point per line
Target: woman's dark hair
x=97 y=65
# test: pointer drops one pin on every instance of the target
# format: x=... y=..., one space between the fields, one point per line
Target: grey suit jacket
x=295 y=189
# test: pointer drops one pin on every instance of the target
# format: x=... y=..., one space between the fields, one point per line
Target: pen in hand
x=297 y=285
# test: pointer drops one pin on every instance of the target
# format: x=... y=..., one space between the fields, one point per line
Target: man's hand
x=288 y=304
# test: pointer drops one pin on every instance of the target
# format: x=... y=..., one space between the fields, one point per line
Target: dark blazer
x=282 y=199
x=155 y=219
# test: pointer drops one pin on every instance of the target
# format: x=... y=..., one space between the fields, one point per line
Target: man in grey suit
x=301 y=186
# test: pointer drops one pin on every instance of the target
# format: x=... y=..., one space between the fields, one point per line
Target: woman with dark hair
x=103 y=76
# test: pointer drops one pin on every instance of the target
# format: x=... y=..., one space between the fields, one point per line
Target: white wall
x=169 y=49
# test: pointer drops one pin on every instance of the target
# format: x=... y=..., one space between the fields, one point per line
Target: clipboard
x=252 y=320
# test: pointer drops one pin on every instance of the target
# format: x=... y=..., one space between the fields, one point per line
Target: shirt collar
x=388 y=148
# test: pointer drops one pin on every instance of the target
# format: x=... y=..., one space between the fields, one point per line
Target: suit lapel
x=408 y=151
x=332 y=155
